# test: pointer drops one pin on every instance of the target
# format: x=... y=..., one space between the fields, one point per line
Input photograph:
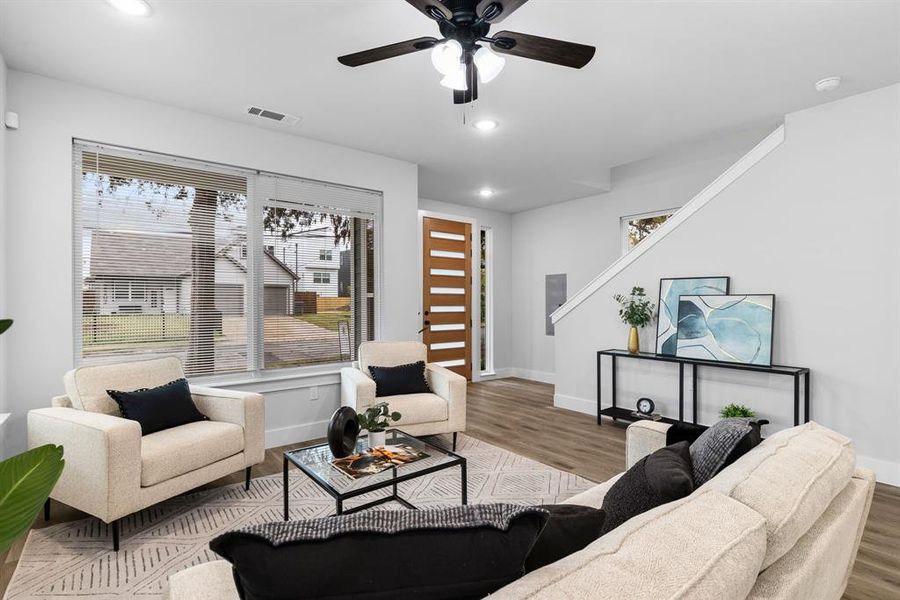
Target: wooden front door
x=447 y=293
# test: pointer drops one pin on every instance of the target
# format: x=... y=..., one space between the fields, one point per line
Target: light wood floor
x=519 y=415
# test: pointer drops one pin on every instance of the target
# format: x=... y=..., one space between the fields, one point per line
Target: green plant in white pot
x=375 y=420
x=26 y=481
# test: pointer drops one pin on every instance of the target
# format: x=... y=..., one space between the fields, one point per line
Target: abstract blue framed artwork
x=669 y=291
x=734 y=328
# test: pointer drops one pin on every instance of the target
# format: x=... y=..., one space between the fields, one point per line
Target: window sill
x=280 y=376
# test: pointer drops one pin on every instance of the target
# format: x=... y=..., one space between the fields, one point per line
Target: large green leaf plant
x=26 y=481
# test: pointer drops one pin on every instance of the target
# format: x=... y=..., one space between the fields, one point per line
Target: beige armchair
x=112 y=471
x=443 y=411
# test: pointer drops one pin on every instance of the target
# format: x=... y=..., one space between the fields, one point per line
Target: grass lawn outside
x=327 y=320
x=118 y=329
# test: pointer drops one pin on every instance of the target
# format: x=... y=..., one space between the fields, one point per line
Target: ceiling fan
x=460 y=56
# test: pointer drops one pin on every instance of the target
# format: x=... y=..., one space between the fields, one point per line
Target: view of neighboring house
x=321 y=265
x=150 y=273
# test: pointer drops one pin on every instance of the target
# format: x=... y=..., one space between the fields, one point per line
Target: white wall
x=815 y=222
x=582 y=237
x=501 y=226
x=3 y=285
x=39 y=279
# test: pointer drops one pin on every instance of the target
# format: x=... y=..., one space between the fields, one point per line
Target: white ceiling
x=665 y=74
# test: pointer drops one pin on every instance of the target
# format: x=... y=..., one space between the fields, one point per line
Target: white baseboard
x=542 y=376
x=581 y=405
x=294 y=434
x=886 y=471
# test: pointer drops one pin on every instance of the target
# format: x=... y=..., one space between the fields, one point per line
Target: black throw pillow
x=458 y=552
x=683 y=432
x=721 y=445
x=657 y=479
x=402 y=379
x=159 y=408
x=571 y=527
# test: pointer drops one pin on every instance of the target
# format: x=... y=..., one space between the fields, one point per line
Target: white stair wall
x=813 y=221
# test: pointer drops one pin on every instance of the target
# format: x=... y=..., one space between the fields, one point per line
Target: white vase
x=376 y=439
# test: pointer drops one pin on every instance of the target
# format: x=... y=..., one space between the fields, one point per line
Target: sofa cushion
x=159 y=408
x=390 y=354
x=646 y=557
x=455 y=552
x=179 y=450
x=821 y=561
x=654 y=480
x=790 y=479
x=86 y=386
x=418 y=408
x=399 y=380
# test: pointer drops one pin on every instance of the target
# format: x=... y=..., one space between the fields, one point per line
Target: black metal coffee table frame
x=340 y=497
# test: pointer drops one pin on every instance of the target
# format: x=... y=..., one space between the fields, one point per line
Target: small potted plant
x=375 y=420
x=636 y=311
x=736 y=410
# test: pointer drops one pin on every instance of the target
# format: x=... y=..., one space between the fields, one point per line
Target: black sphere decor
x=342 y=432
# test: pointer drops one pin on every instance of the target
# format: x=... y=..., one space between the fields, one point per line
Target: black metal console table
x=617 y=412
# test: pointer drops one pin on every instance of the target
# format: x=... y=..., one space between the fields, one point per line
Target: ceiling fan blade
x=567 y=54
x=499 y=9
x=431 y=9
x=399 y=49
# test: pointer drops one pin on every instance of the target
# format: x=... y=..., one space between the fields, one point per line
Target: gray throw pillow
x=721 y=445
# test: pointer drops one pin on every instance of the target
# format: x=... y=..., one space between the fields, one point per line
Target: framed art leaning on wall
x=730 y=328
x=669 y=291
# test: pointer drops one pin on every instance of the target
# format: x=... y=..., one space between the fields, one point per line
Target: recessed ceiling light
x=486 y=125
x=829 y=84
x=486 y=192
x=135 y=8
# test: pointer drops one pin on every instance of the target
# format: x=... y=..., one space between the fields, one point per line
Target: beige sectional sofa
x=783 y=522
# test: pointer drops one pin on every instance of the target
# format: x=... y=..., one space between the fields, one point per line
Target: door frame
x=475 y=308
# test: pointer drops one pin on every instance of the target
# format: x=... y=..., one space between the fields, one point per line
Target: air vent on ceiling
x=272 y=115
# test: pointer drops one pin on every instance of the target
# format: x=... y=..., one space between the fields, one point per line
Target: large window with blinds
x=229 y=269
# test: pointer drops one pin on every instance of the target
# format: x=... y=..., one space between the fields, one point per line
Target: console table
x=617 y=412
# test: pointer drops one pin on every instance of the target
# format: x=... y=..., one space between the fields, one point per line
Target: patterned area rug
x=75 y=560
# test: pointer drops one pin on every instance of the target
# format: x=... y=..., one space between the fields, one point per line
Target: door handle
x=426 y=324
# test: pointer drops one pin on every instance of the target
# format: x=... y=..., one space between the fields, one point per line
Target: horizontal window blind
x=323 y=236
x=229 y=269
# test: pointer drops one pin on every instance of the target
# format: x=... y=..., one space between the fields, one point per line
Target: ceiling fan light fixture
x=446 y=57
x=457 y=79
x=489 y=64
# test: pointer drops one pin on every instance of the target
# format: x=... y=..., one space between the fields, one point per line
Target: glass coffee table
x=315 y=462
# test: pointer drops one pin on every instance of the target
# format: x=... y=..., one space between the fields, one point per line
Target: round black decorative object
x=342 y=432
x=645 y=406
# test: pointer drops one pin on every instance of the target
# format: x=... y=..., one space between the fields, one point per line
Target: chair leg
x=247 y=479
x=454 y=441
x=115 y=532
x=47 y=510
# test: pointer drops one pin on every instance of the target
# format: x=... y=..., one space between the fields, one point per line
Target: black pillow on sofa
x=571 y=527
x=458 y=552
x=657 y=479
x=721 y=445
x=159 y=408
x=402 y=379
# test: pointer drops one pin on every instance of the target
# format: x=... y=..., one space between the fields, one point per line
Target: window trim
x=623 y=224
x=255 y=240
x=489 y=301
